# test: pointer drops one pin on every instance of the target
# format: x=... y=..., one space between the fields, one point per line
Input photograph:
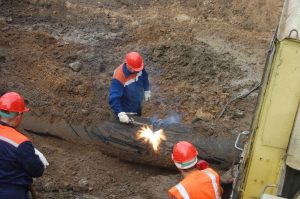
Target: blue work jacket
x=127 y=90
x=18 y=163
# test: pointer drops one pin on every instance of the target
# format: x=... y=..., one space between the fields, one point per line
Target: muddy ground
x=61 y=55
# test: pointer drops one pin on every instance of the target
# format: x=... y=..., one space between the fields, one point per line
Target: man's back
x=18 y=163
x=199 y=184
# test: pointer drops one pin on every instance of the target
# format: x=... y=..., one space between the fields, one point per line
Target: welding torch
x=132 y=121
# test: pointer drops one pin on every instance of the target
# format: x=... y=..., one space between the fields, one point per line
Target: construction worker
x=198 y=183
x=19 y=160
x=129 y=87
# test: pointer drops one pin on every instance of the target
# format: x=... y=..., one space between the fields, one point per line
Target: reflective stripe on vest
x=214 y=183
x=11 y=136
x=182 y=191
x=9 y=141
x=200 y=184
x=134 y=79
x=126 y=81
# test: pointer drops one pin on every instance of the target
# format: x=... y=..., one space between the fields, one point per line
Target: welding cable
x=236 y=98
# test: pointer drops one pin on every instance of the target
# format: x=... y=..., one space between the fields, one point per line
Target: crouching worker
x=198 y=183
x=129 y=87
x=19 y=160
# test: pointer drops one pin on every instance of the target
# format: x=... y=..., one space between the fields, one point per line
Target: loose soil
x=60 y=55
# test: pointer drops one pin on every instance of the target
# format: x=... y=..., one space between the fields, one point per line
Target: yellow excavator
x=269 y=166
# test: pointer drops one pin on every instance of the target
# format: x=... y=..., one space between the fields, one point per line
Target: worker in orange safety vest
x=198 y=183
x=19 y=160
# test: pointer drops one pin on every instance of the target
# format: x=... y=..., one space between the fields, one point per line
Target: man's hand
x=42 y=158
x=147 y=95
x=123 y=117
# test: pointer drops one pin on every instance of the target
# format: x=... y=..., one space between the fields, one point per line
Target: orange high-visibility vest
x=200 y=184
x=12 y=136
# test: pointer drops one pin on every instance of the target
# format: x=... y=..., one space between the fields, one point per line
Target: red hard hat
x=12 y=102
x=184 y=155
x=135 y=61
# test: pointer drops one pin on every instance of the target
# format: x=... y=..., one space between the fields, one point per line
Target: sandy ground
x=61 y=55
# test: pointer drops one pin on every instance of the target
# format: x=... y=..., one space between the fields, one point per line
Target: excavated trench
x=60 y=55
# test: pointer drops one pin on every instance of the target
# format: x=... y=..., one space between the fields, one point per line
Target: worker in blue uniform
x=129 y=87
x=19 y=160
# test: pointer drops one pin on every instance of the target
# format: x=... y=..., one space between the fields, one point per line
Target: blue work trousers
x=13 y=192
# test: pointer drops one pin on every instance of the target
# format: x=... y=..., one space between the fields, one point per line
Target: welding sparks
x=151 y=137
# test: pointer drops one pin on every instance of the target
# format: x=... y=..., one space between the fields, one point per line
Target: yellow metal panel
x=281 y=100
x=275 y=122
x=293 y=155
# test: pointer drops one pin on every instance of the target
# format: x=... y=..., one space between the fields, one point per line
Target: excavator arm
x=269 y=165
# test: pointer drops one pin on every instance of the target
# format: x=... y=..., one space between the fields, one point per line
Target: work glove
x=42 y=157
x=147 y=95
x=123 y=117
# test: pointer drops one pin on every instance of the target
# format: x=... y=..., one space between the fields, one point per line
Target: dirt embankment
x=67 y=51
x=61 y=54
